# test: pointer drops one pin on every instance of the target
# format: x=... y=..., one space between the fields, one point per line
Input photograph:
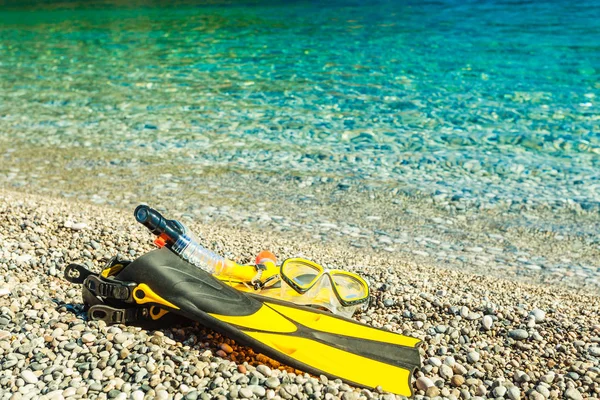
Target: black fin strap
x=124 y=316
x=110 y=289
x=76 y=273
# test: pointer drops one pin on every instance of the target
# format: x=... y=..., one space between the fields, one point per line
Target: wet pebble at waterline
x=541 y=341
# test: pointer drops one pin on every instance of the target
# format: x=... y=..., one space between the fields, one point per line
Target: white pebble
x=88 y=338
x=29 y=377
x=424 y=383
x=137 y=395
x=538 y=315
x=487 y=322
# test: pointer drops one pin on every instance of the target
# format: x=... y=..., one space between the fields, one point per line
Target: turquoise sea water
x=496 y=101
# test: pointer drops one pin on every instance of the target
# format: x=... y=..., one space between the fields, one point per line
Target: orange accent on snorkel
x=160 y=242
x=265 y=255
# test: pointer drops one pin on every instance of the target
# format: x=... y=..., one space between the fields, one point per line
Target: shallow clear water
x=440 y=96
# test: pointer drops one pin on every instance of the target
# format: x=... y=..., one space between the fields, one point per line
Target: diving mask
x=305 y=282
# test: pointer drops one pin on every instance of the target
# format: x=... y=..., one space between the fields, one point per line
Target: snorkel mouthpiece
x=170 y=230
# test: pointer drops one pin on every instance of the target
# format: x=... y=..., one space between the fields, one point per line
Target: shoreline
x=445 y=308
x=545 y=245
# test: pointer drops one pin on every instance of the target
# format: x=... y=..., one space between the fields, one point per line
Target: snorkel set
x=297 y=313
x=298 y=280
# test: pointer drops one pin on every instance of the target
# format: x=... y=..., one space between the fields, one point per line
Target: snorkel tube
x=173 y=235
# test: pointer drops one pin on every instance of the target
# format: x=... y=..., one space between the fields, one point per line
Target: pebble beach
x=483 y=337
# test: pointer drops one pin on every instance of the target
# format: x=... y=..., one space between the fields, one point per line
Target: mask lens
x=300 y=273
x=349 y=287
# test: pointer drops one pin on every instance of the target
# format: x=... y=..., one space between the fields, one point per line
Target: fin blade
x=265 y=319
x=339 y=363
x=330 y=324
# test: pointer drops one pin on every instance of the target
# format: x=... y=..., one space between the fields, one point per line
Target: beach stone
x=192 y=395
x=77 y=226
x=436 y=362
x=246 y=392
x=423 y=383
x=263 y=369
x=518 y=334
x=572 y=394
x=594 y=351
x=88 y=338
x=272 y=382
x=140 y=375
x=226 y=348
x=481 y=390
x=258 y=390
x=96 y=387
x=535 y=395
x=457 y=380
x=29 y=377
x=162 y=395
x=499 y=391
x=450 y=361
x=433 y=391
x=538 y=315
x=137 y=395
x=513 y=393
x=445 y=371
x=473 y=357
x=543 y=390
x=487 y=322
x=548 y=378
x=120 y=338
x=389 y=302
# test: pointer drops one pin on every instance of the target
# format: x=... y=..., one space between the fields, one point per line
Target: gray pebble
x=192 y=395
x=436 y=362
x=473 y=357
x=543 y=390
x=513 y=393
x=258 y=390
x=499 y=391
x=263 y=369
x=246 y=392
x=594 y=351
x=518 y=334
x=572 y=394
x=445 y=371
x=272 y=382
